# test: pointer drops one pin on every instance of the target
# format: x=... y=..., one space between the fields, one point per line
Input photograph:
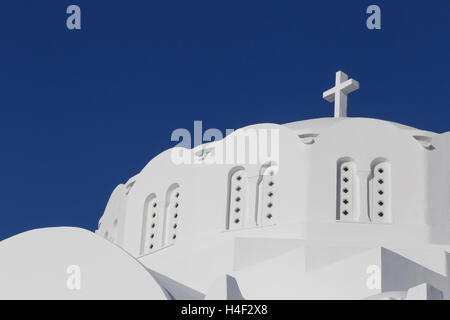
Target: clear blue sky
x=82 y=111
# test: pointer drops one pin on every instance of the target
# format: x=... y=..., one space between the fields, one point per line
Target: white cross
x=339 y=93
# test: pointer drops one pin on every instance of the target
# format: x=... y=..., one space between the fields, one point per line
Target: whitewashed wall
x=306 y=188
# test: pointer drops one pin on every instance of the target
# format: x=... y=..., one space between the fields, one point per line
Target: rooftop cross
x=339 y=93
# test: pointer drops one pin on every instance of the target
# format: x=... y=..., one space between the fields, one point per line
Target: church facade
x=329 y=208
x=348 y=184
x=330 y=173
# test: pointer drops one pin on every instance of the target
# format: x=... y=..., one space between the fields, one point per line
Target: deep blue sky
x=82 y=111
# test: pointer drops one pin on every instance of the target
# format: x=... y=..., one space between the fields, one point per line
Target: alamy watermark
x=73 y=281
x=73 y=21
x=373 y=281
x=374 y=20
x=252 y=145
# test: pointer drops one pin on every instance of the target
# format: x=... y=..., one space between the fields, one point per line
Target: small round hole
x=152 y=236
x=380 y=203
x=271 y=183
x=175 y=215
x=175 y=226
x=154 y=215
x=269 y=216
x=345 y=190
x=153 y=225
x=176 y=205
x=345 y=212
x=237 y=221
x=237 y=210
x=380 y=170
x=380 y=214
x=345 y=201
x=380 y=181
x=238 y=199
x=345 y=179
x=269 y=205
x=238 y=188
x=154 y=204
x=174 y=236
x=380 y=192
x=270 y=194
x=345 y=169
x=151 y=246
x=238 y=178
x=177 y=195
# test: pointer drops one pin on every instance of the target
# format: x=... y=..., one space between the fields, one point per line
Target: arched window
x=347 y=190
x=380 y=190
x=171 y=214
x=151 y=239
x=266 y=195
x=237 y=198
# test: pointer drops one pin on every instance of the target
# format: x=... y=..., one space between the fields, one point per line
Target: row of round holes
x=238 y=188
x=270 y=194
x=380 y=192
x=237 y=209
x=152 y=235
x=175 y=225
x=345 y=190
